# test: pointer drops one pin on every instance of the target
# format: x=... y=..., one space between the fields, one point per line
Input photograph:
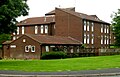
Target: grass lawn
x=72 y=64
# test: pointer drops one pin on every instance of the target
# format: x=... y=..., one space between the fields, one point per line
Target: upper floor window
x=92 y=40
x=92 y=27
x=85 y=38
x=101 y=39
x=88 y=38
x=105 y=40
x=32 y=48
x=84 y=25
x=88 y=26
x=42 y=29
x=105 y=29
x=46 y=28
x=17 y=30
x=101 y=28
x=23 y=30
x=36 y=29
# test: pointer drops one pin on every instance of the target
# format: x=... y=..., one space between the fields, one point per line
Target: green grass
x=72 y=64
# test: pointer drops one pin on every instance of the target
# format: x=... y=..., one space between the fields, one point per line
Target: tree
x=116 y=27
x=9 y=11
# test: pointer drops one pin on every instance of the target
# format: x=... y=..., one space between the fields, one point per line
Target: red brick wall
x=68 y=25
x=19 y=51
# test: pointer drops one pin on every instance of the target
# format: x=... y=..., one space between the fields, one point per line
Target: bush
x=54 y=55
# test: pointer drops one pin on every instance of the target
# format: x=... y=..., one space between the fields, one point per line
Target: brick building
x=65 y=23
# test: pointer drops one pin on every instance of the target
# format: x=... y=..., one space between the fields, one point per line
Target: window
x=105 y=28
x=101 y=39
x=47 y=48
x=12 y=46
x=92 y=27
x=22 y=29
x=32 y=48
x=84 y=25
x=14 y=38
x=13 y=33
x=88 y=26
x=46 y=28
x=84 y=38
x=88 y=38
x=36 y=29
x=26 y=48
x=24 y=40
x=105 y=40
x=42 y=29
x=101 y=28
x=17 y=30
x=92 y=40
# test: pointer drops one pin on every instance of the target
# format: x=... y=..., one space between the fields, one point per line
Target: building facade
x=83 y=29
x=88 y=29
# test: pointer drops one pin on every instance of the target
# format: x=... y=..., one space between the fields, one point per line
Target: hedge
x=54 y=55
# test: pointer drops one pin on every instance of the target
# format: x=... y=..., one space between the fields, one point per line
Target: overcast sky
x=102 y=8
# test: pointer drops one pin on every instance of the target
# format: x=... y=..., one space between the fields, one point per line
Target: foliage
x=4 y=37
x=116 y=27
x=53 y=55
x=9 y=11
x=72 y=64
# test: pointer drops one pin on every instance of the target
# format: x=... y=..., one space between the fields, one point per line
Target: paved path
x=88 y=73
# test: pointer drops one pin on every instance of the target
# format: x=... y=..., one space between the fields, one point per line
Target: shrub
x=53 y=55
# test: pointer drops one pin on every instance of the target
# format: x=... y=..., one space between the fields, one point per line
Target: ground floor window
x=29 y=48
x=32 y=48
x=47 y=48
x=26 y=49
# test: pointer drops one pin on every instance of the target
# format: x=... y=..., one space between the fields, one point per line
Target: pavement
x=85 y=73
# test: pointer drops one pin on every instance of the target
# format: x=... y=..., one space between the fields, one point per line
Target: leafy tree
x=116 y=27
x=9 y=11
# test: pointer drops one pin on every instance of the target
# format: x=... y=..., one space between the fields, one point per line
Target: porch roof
x=45 y=39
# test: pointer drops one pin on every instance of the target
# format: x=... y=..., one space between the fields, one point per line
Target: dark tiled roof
x=78 y=14
x=44 y=39
x=7 y=42
x=37 y=20
x=53 y=11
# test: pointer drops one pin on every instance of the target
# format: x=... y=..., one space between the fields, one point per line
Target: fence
x=86 y=52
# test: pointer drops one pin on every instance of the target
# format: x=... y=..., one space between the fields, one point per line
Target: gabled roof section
x=53 y=11
x=44 y=39
x=84 y=16
x=37 y=20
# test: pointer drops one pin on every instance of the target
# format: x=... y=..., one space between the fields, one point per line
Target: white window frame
x=92 y=27
x=14 y=38
x=101 y=39
x=26 y=48
x=36 y=29
x=88 y=39
x=84 y=25
x=101 y=28
x=105 y=40
x=84 y=38
x=23 y=31
x=104 y=28
x=32 y=48
x=107 y=29
x=47 y=48
x=42 y=29
x=17 y=30
x=46 y=28
x=92 y=40
x=88 y=26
